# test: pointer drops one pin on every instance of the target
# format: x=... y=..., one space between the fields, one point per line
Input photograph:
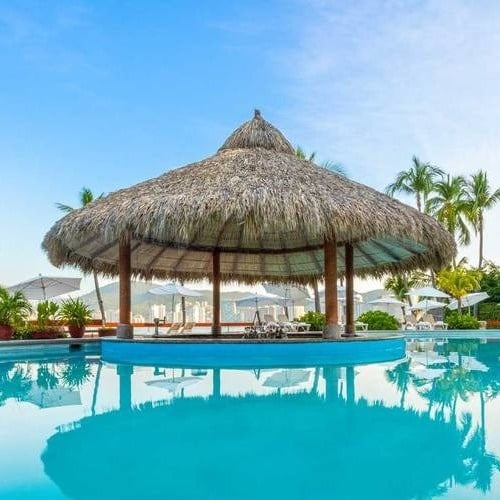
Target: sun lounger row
x=176 y=329
x=272 y=328
x=427 y=322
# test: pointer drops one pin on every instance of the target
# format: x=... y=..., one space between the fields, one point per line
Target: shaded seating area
x=252 y=212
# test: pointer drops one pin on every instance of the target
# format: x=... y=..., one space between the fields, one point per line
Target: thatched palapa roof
x=265 y=209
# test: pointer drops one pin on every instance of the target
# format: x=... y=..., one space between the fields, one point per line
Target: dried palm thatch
x=265 y=209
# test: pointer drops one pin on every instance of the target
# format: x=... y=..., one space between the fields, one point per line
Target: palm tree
x=299 y=152
x=86 y=197
x=481 y=197
x=333 y=166
x=417 y=180
x=400 y=284
x=450 y=206
x=458 y=282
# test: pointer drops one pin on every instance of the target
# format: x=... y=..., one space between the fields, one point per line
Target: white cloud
x=376 y=82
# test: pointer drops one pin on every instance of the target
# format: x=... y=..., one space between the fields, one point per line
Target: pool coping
x=222 y=340
x=197 y=340
x=41 y=342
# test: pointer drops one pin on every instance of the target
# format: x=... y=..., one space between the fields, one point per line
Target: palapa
x=265 y=210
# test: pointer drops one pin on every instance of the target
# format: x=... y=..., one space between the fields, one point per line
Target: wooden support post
x=216 y=328
x=125 y=329
x=216 y=383
x=350 y=328
x=332 y=328
x=124 y=373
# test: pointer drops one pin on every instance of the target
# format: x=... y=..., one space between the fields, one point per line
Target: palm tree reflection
x=459 y=383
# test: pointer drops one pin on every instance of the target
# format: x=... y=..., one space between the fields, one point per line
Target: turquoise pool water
x=425 y=426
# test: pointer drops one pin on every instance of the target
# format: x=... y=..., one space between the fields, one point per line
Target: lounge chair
x=423 y=325
x=172 y=330
x=440 y=325
x=410 y=322
x=360 y=326
x=187 y=328
x=268 y=318
x=293 y=326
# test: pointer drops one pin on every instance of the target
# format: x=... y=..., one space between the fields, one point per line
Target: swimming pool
x=73 y=425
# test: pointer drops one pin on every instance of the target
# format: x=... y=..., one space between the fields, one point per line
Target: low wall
x=247 y=353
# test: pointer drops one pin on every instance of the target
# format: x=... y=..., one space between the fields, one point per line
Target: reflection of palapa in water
x=327 y=436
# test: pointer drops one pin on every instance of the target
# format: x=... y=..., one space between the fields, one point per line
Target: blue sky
x=107 y=93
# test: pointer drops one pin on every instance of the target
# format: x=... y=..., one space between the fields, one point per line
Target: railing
x=111 y=324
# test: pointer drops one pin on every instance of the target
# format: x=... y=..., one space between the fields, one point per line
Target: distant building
x=113 y=315
x=157 y=311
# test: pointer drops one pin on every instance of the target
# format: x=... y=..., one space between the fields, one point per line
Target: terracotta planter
x=6 y=332
x=107 y=332
x=45 y=334
x=75 y=331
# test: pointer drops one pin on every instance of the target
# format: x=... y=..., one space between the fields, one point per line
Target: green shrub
x=461 y=321
x=379 y=320
x=22 y=332
x=316 y=320
x=489 y=311
x=46 y=312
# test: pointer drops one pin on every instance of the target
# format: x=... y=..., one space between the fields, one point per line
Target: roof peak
x=258 y=133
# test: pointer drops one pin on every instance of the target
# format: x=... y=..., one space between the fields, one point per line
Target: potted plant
x=14 y=310
x=46 y=321
x=75 y=314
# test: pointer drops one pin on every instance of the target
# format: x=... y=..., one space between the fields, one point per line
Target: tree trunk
x=183 y=308
x=481 y=240
x=419 y=202
x=433 y=277
x=317 y=301
x=459 y=305
x=99 y=298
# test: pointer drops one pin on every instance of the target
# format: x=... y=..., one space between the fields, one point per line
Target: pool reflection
x=290 y=433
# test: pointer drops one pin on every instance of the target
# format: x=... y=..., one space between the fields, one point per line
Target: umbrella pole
x=257 y=314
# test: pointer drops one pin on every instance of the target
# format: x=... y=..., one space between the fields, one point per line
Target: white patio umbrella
x=469 y=300
x=468 y=362
x=424 y=373
x=428 y=305
x=294 y=295
x=387 y=301
x=174 y=384
x=428 y=291
x=175 y=289
x=341 y=291
x=46 y=287
x=257 y=300
x=287 y=378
